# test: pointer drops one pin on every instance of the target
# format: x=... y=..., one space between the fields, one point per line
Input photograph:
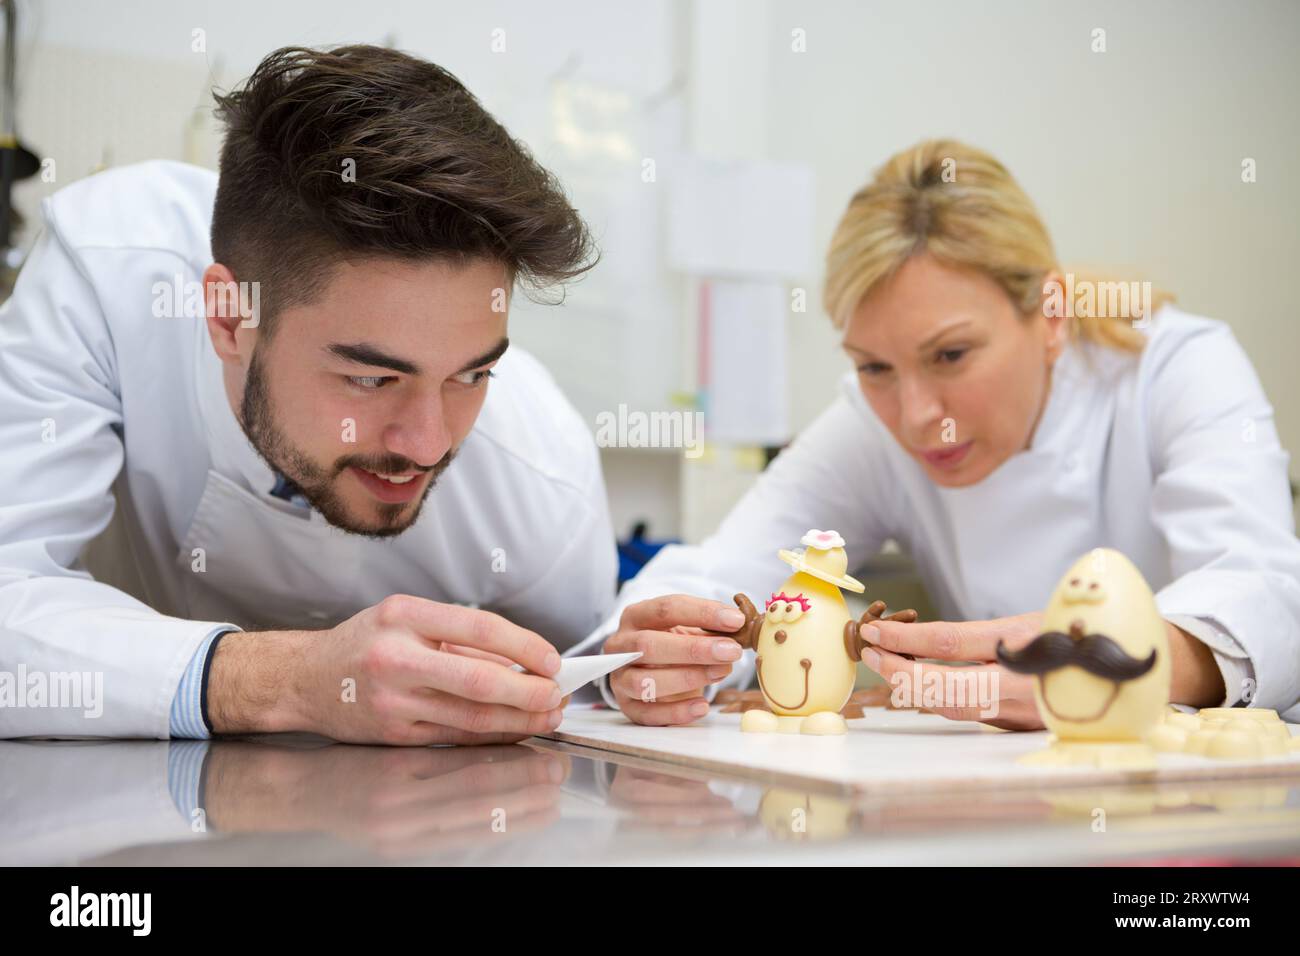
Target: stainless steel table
x=302 y=800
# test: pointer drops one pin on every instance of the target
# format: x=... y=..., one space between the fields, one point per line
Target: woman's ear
x=1056 y=312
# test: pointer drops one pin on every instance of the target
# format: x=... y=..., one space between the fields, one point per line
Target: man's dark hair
x=436 y=177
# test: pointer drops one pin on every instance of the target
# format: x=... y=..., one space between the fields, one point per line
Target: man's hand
x=680 y=657
x=407 y=671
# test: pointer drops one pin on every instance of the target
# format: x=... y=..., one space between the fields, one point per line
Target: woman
x=1002 y=419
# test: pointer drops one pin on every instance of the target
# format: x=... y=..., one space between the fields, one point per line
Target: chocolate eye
x=1092 y=586
x=1074 y=582
x=789 y=609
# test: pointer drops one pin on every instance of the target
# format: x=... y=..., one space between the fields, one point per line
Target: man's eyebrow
x=488 y=357
x=363 y=353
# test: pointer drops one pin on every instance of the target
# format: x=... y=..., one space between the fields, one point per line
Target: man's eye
x=873 y=368
x=369 y=382
x=476 y=377
x=949 y=356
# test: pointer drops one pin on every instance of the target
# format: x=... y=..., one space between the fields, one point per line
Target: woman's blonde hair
x=963 y=207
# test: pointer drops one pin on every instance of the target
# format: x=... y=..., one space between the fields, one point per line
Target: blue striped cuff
x=187 y=705
x=185 y=760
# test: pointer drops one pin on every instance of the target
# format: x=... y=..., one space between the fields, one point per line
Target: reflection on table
x=302 y=800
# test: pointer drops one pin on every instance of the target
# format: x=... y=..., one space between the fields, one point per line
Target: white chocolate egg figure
x=805 y=641
x=1101 y=663
x=796 y=815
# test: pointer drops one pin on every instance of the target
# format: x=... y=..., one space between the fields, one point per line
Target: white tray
x=885 y=750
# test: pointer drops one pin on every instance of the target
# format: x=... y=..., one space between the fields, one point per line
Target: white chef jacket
x=1170 y=456
x=93 y=386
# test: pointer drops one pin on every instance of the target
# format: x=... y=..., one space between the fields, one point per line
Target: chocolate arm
x=747 y=636
x=854 y=645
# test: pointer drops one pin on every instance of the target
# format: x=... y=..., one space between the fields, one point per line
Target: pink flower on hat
x=822 y=540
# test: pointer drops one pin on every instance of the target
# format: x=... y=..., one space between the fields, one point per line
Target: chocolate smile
x=1101 y=711
x=806 y=664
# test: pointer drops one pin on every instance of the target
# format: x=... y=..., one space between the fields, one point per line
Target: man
x=340 y=527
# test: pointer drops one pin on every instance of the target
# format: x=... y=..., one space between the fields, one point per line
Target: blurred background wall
x=1134 y=156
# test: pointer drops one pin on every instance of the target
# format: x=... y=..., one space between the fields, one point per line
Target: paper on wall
x=746 y=385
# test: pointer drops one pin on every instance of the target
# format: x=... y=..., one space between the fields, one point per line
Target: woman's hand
x=983 y=690
x=1195 y=676
x=684 y=649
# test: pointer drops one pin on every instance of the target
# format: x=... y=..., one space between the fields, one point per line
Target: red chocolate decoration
x=781 y=598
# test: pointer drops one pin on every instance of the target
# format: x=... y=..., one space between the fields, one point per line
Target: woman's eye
x=873 y=368
x=477 y=377
x=949 y=356
x=370 y=382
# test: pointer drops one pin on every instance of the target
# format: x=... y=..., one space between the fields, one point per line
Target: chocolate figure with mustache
x=1101 y=664
x=1095 y=653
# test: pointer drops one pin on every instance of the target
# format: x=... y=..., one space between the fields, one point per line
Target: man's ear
x=221 y=304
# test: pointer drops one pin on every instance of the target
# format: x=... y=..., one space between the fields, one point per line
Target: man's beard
x=317 y=484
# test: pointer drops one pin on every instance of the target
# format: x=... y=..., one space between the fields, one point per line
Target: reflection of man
x=449 y=804
x=287 y=471
x=399 y=805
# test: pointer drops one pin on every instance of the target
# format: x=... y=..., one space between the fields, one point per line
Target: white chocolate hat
x=823 y=558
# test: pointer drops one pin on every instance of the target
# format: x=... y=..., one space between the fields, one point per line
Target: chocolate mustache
x=1095 y=653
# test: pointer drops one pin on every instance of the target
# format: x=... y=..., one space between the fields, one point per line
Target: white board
x=747 y=390
x=885 y=750
x=744 y=219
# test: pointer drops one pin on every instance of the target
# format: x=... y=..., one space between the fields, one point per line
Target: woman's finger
x=681 y=610
x=933 y=686
x=952 y=640
x=655 y=683
x=1012 y=715
x=665 y=714
x=661 y=647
